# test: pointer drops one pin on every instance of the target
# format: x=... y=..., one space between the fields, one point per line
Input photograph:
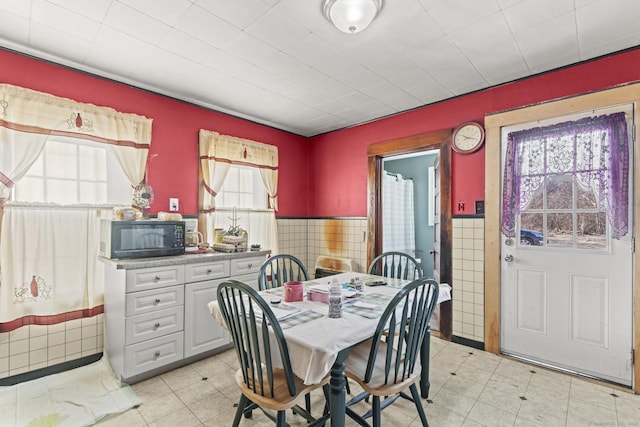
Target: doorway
x=494 y=251
x=437 y=143
x=567 y=272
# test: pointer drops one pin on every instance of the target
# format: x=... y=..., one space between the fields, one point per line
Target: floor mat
x=78 y=397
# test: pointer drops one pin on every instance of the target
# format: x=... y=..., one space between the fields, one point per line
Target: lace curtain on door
x=48 y=254
x=593 y=150
x=398 y=229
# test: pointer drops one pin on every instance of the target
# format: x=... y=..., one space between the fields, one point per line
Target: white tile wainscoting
x=38 y=346
x=467 y=263
x=309 y=238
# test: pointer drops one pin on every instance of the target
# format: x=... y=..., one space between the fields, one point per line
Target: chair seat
x=356 y=366
x=281 y=399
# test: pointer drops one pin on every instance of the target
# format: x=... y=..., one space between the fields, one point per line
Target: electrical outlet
x=173 y=204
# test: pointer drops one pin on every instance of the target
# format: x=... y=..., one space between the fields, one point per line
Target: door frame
x=627 y=94
x=438 y=140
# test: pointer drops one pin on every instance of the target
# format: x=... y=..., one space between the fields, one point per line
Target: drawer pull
x=209 y=271
x=156 y=355
x=157 y=301
x=156 y=326
x=156 y=279
x=250 y=265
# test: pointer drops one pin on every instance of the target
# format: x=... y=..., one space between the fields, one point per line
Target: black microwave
x=141 y=238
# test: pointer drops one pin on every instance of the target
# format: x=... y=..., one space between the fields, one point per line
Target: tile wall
x=37 y=346
x=468 y=278
x=309 y=238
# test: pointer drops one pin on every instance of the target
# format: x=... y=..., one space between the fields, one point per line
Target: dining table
x=318 y=344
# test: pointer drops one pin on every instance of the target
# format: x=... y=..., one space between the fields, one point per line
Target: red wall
x=173 y=155
x=339 y=159
x=321 y=176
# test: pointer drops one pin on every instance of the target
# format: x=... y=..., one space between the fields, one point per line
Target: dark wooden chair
x=384 y=368
x=397 y=265
x=258 y=339
x=279 y=269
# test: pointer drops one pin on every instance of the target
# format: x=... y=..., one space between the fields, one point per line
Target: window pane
x=62 y=191
x=92 y=163
x=537 y=200
x=245 y=180
x=61 y=161
x=559 y=192
x=37 y=168
x=586 y=199
x=93 y=192
x=560 y=230
x=245 y=200
x=231 y=200
x=592 y=230
x=231 y=181
x=30 y=189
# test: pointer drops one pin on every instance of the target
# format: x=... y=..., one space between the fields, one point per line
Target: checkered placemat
x=300 y=318
x=279 y=291
x=379 y=300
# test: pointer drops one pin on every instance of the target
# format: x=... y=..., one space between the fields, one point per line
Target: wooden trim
x=627 y=94
x=438 y=140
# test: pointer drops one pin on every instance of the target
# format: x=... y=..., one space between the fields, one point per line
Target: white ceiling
x=281 y=63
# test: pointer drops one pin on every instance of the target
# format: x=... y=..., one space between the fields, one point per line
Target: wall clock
x=467 y=138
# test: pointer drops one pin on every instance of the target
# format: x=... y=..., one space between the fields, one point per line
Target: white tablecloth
x=314 y=345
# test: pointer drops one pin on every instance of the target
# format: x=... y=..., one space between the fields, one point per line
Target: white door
x=567 y=285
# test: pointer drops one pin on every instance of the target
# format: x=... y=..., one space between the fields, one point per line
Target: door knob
x=508 y=258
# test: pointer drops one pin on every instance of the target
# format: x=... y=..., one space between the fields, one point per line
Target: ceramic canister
x=293 y=291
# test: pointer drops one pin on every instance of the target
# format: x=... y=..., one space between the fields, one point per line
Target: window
x=74 y=171
x=242 y=189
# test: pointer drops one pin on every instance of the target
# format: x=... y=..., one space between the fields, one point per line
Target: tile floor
x=468 y=388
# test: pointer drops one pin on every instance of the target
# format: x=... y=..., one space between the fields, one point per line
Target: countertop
x=131 y=264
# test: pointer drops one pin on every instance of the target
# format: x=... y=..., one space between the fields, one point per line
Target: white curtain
x=260 y=225
x=50 y=251
x=53 y=248
x=217 y=154
x=398 y=230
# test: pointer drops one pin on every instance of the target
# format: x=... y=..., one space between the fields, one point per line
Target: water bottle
x=335 y=299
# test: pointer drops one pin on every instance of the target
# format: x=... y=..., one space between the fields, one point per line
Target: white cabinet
x=156 y=317
x=202 y=331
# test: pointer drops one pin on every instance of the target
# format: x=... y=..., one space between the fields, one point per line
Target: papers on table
x=346 y=292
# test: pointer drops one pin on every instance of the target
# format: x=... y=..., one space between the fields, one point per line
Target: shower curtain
x=398 y=232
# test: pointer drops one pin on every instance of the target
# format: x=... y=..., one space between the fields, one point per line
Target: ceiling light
x=351 y=16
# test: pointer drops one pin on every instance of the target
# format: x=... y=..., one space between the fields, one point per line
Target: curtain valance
x=37 y=112
x=224 y=148
x=593 y=150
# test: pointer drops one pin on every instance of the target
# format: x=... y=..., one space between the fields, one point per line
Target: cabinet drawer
x=155 y=324
x=153 y=300
x=145 y=356
x=207 y=271
x=246 y=265
x=156 y=277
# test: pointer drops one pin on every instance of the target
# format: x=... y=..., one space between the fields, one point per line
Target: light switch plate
x=173 y=204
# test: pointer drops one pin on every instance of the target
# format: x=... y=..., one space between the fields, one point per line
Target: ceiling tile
x=602 y=22
x=163 y=11
x=207 y=27
x=20 y=8
x=240 y=14
x=453 y=15
x=529 y=13
x=63 y=20
x=127 y=20
x=277 y=30
x=559 y=46
x=95 y=10
x=249 y=48
x=14 y=28
x=55 y=42
x=187 y=46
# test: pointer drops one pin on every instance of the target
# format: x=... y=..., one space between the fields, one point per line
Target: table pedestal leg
x=337 y=391
x=424 y=361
